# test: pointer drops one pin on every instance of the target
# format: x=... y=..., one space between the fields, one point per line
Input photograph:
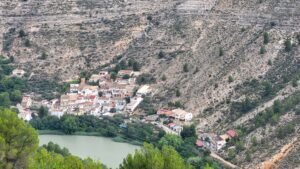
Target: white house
x=144 y=90
x=57 y=113
x=18 y=73
x=74 y=88
x=182 y=115
x=26 y=102
x=134 y=102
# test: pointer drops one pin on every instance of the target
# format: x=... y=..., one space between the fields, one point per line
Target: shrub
x=22 y=33
x=161 y=54
x=262 y=50
x=295 y=83
x=164 y=78
x=145 y=79
x=266 y=38
x=221 y=51
x=288 y=45
x=298 y=38
x=270 y=62
x=284 y=131
x=185 y=68
x=44 y=56
x=178 y=93
x=230 y=79
x=27 y=43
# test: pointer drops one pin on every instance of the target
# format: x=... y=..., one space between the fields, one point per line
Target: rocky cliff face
x=217 y=40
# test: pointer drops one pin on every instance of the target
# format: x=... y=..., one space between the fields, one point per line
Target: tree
x=22 y=33
x=113 y=75
x=178 y=93
x=268 y=89
x=230 y=79
x=127 y=99
x=43 y=112
x=27 y=43
x=136 y=66
x=262 y=50
x=298 y=38
x=254 y=141
x=170 y=140
x=68 y=124
x=164 y=78
x=185 y=68
x=126 y=76
x=288 y=45
x=51 y=147
x=44 y=56
x=188 y=131
x=43 y=159
x=295 y=83
x=266 y=38
x=16 y=96
x=4 y=99
x=153 y=158
x=161 y=54
x=18 y=140
x=221 y=51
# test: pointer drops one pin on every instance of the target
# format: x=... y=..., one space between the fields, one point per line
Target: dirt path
x=284 y=93
x=221 y=160
x=271 y=164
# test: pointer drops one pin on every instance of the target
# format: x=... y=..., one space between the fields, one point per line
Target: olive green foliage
x=43 y=159
x=230 y=79
x=288 y=45
x=298 y=38
x=271 y=115
x=178 y=93
x=147 y=106
x=17 y=140
x=145 y=79
x=185 y=68
x=262 y=50
x=51 y=147
x=113 y=75
x=43 y=112
x=150 y=157
x=171 y=140
x=285 y=130
x=10 y=87
x=221 y=51
x=161 y=54
x=266 y=38
x=108 y=127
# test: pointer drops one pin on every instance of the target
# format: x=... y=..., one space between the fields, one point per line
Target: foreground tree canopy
x=17 y=140
x=51 y=160
x=153 y=158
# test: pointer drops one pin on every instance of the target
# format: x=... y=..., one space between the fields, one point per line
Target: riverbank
x=118 y=139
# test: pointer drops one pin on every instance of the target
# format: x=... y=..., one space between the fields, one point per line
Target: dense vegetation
x=107 y=126
x=150 y=158
x=19 y=143
x=10 y=87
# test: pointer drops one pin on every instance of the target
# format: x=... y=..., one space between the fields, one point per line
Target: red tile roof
x=165 y=112
x=231 y=133
x=171 y=124
x=199 y=143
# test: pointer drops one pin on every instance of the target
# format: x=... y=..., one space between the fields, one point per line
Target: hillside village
x=104 y=95
x=101 y=95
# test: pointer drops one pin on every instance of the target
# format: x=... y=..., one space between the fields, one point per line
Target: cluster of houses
x=213 y=141
x=98 y=96
x=176 y=118
x=102 y=95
